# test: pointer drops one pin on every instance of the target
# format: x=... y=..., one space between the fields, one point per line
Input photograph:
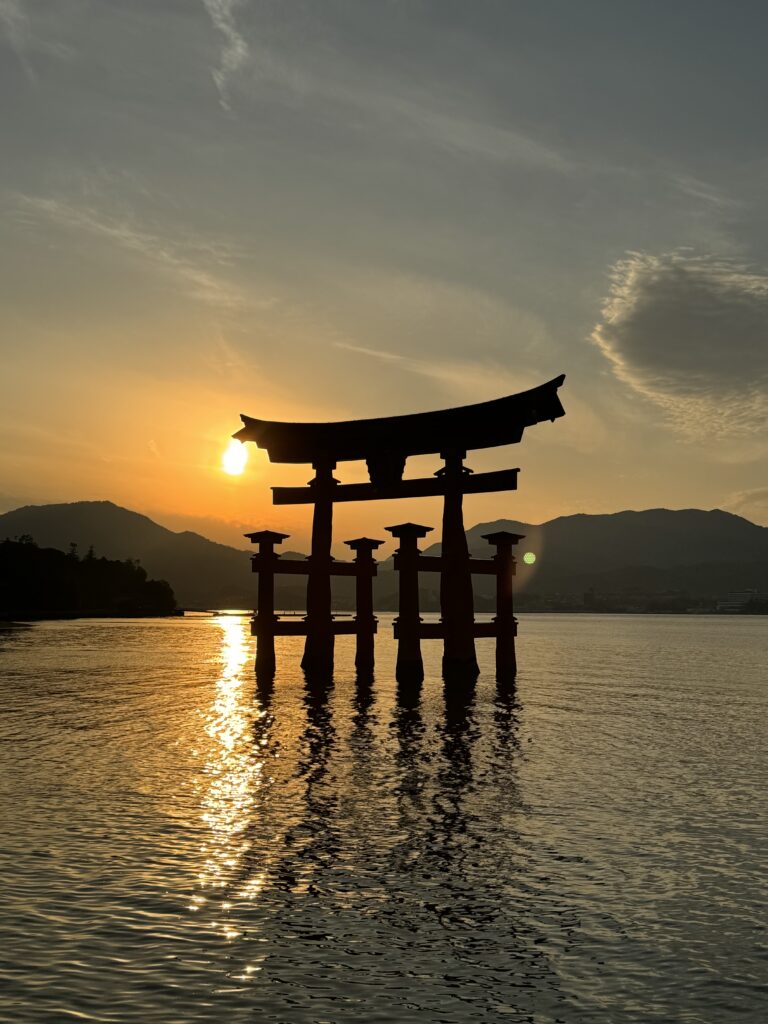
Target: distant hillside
x=679 y=558
x=203 y=574
x=574 y=553
x=656 y=536
x=656 y=551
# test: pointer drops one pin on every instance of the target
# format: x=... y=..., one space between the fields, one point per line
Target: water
x=178 y=848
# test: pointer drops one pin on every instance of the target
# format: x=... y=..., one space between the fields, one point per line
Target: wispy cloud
x=35 y=439
x=705 y=193
x=467 y=381
x=471 y=135
x=26 y=39
x=688 y=332
x=751 y=503
x=470 y=343
x=301 y=73
x=234 y=51
x=387 y=357
x=193 y=263
x=15 y=25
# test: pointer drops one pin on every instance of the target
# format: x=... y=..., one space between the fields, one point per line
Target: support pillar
x=410 y=667
x=364 y=617
x=506 y=623
x=263 y=622
x=456 y=597
x=318 y=649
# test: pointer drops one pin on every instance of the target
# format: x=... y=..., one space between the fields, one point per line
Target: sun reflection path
x=231 y=780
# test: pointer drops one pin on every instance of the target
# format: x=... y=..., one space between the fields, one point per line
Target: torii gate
x=385 y=444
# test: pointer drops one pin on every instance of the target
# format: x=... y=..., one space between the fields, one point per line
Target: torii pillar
x=263 y=623
x=410 y=667
x=456 y=598
x=318 y=649
x=506 y=623
x=365 y=620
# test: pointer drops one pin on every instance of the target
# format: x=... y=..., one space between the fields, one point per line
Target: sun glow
x=234 y=458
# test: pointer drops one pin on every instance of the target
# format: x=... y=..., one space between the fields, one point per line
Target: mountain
x=656 y=536
x=654 y=552
x=651 y=560
x=203 y=574
x=638 y=550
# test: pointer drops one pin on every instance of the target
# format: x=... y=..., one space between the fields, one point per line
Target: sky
x=318 y=211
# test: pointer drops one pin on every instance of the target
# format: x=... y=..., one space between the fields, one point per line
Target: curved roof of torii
x=484 y=425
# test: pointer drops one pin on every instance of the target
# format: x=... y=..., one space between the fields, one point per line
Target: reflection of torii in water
x=385 y=444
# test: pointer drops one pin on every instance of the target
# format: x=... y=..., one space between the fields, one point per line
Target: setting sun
x=234 y=458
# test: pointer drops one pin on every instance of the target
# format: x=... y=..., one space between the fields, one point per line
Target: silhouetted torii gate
x=385 y=444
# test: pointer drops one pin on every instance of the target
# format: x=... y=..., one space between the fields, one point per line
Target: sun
x=234 y=458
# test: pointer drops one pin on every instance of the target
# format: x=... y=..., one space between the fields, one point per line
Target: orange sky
x=330 y=214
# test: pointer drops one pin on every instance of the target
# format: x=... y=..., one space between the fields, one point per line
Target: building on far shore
x=738 y=600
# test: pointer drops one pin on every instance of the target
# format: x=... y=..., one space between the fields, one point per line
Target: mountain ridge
x=629 y=548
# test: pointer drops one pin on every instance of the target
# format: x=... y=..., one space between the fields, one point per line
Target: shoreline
x=28 y=622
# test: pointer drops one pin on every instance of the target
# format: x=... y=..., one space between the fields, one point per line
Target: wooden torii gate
x=385 y=444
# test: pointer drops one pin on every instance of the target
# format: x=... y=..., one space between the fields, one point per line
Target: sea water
x=588 y=846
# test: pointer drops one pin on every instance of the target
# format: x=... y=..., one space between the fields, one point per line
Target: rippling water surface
x=178 y=847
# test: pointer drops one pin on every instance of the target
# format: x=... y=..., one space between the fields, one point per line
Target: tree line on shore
x=39 y=583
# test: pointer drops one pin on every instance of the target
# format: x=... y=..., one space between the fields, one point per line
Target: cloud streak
x=235 y=51
x=17 y=28
x=301 y=73
x=462 y=134
x=468 y=381
x=15 y=25
x=689 y=333
x=751 y=503
x=192 y=263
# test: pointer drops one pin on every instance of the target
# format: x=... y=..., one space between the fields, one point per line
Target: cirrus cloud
x=690 y=333
x=752 y=504
x=234 y=51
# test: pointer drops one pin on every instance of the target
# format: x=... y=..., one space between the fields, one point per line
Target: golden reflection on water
x=230 y=782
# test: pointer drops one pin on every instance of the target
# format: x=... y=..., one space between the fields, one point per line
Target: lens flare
x=529 y=558
x=234 y=458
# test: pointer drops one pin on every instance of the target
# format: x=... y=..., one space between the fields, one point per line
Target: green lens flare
x=529 y=558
